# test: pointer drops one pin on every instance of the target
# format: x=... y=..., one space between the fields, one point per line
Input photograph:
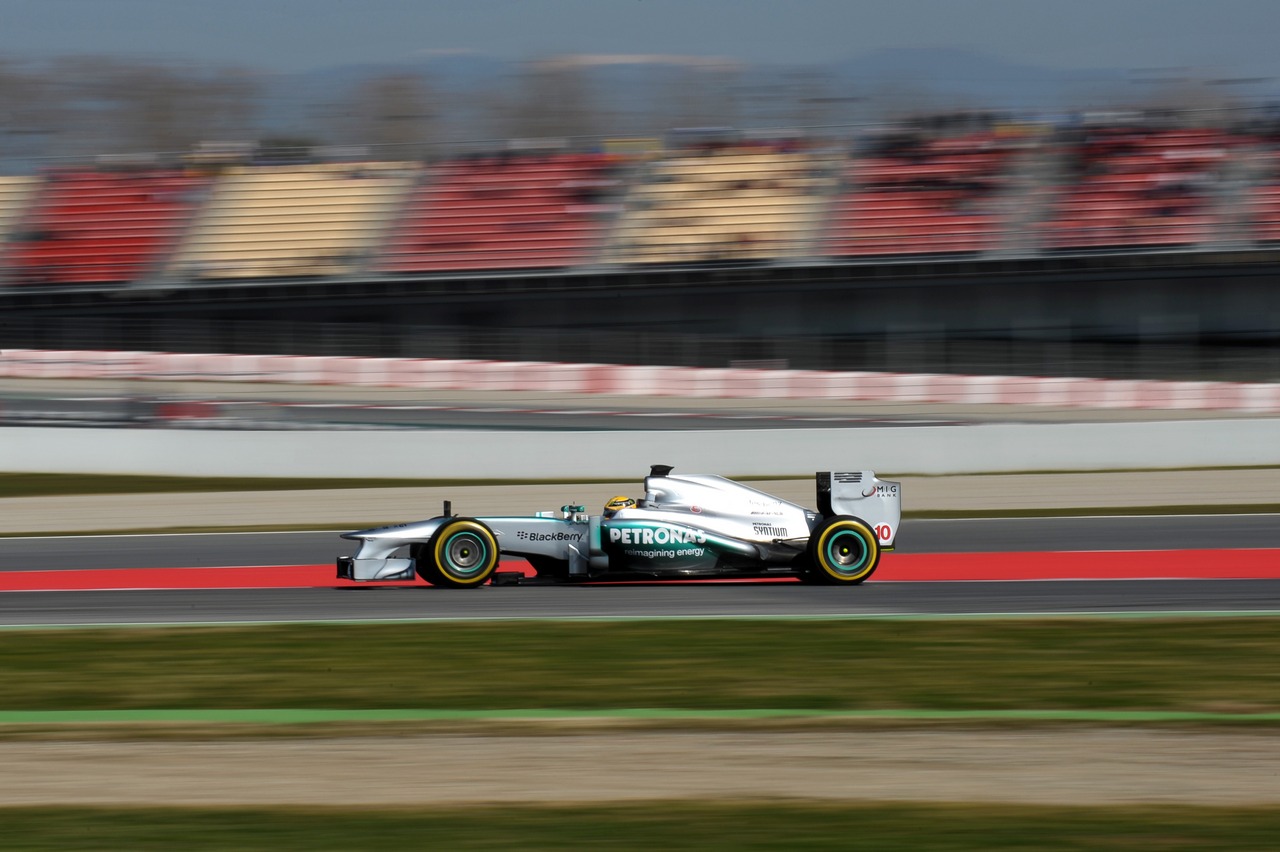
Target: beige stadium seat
x=266 y=222
x=16 y=195
x=738 y=205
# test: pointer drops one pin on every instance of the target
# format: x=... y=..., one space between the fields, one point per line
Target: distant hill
x=979 y=79
x=636 y=92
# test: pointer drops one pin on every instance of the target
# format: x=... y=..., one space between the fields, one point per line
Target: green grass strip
x=706 y=826
x=1198 y=666
x=285 y=716
x=1080 y=615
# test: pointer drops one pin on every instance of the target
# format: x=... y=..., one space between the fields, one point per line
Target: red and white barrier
x=627 y=380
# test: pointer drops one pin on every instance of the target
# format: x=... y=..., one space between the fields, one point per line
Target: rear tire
x=462 y=554
x=843 y=551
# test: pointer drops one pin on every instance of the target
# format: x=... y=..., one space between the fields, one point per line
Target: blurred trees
x=27 y=110
x=700 y=96
x=91 y=106
x=87 y=105
x=120 y=106
x=548 y=98
x=393 y=113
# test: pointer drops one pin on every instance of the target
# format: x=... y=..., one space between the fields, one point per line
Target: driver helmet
x=615 y=503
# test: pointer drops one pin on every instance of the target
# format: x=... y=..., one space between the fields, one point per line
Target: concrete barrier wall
x=625 y=380
x=471 y=454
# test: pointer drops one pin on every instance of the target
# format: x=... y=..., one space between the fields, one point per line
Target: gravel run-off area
x=1088 y=766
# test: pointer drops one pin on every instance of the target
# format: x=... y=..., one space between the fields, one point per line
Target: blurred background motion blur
x=770 y=237
x=1093 y=192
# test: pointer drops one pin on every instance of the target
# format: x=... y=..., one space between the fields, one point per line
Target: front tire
x=843 y=551
x=462 y=554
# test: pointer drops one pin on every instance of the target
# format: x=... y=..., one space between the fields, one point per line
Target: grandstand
x=292 y=221
x=881 y=244
x=16 y=195
x=504 y=212
x=722 y=204
x=906 y=196
x=916 y=197
x=1262 y=216
x=90 y=226
x=1132 y=187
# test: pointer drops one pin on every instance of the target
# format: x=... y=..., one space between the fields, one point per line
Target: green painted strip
x=1086 y=615
x=304 y=716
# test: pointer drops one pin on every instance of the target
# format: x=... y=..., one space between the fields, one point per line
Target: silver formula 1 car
x=687 y=526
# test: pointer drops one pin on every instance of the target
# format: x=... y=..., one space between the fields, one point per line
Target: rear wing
x=861 y=494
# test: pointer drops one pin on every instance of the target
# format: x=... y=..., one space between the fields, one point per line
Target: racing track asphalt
x=638 y=600
x=40 y=411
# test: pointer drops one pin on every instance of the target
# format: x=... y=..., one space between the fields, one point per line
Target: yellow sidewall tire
x=844 y=551
x=462 y=554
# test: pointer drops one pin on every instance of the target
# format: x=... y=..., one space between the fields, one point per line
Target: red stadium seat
x=933 y=198
x=90 y=226
x=504 y=213
x=1138 y=188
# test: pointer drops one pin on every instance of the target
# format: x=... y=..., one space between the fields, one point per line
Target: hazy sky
x=1219 y=37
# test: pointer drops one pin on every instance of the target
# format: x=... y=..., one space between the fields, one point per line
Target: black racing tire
x=462 y=554
x=843 y=551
